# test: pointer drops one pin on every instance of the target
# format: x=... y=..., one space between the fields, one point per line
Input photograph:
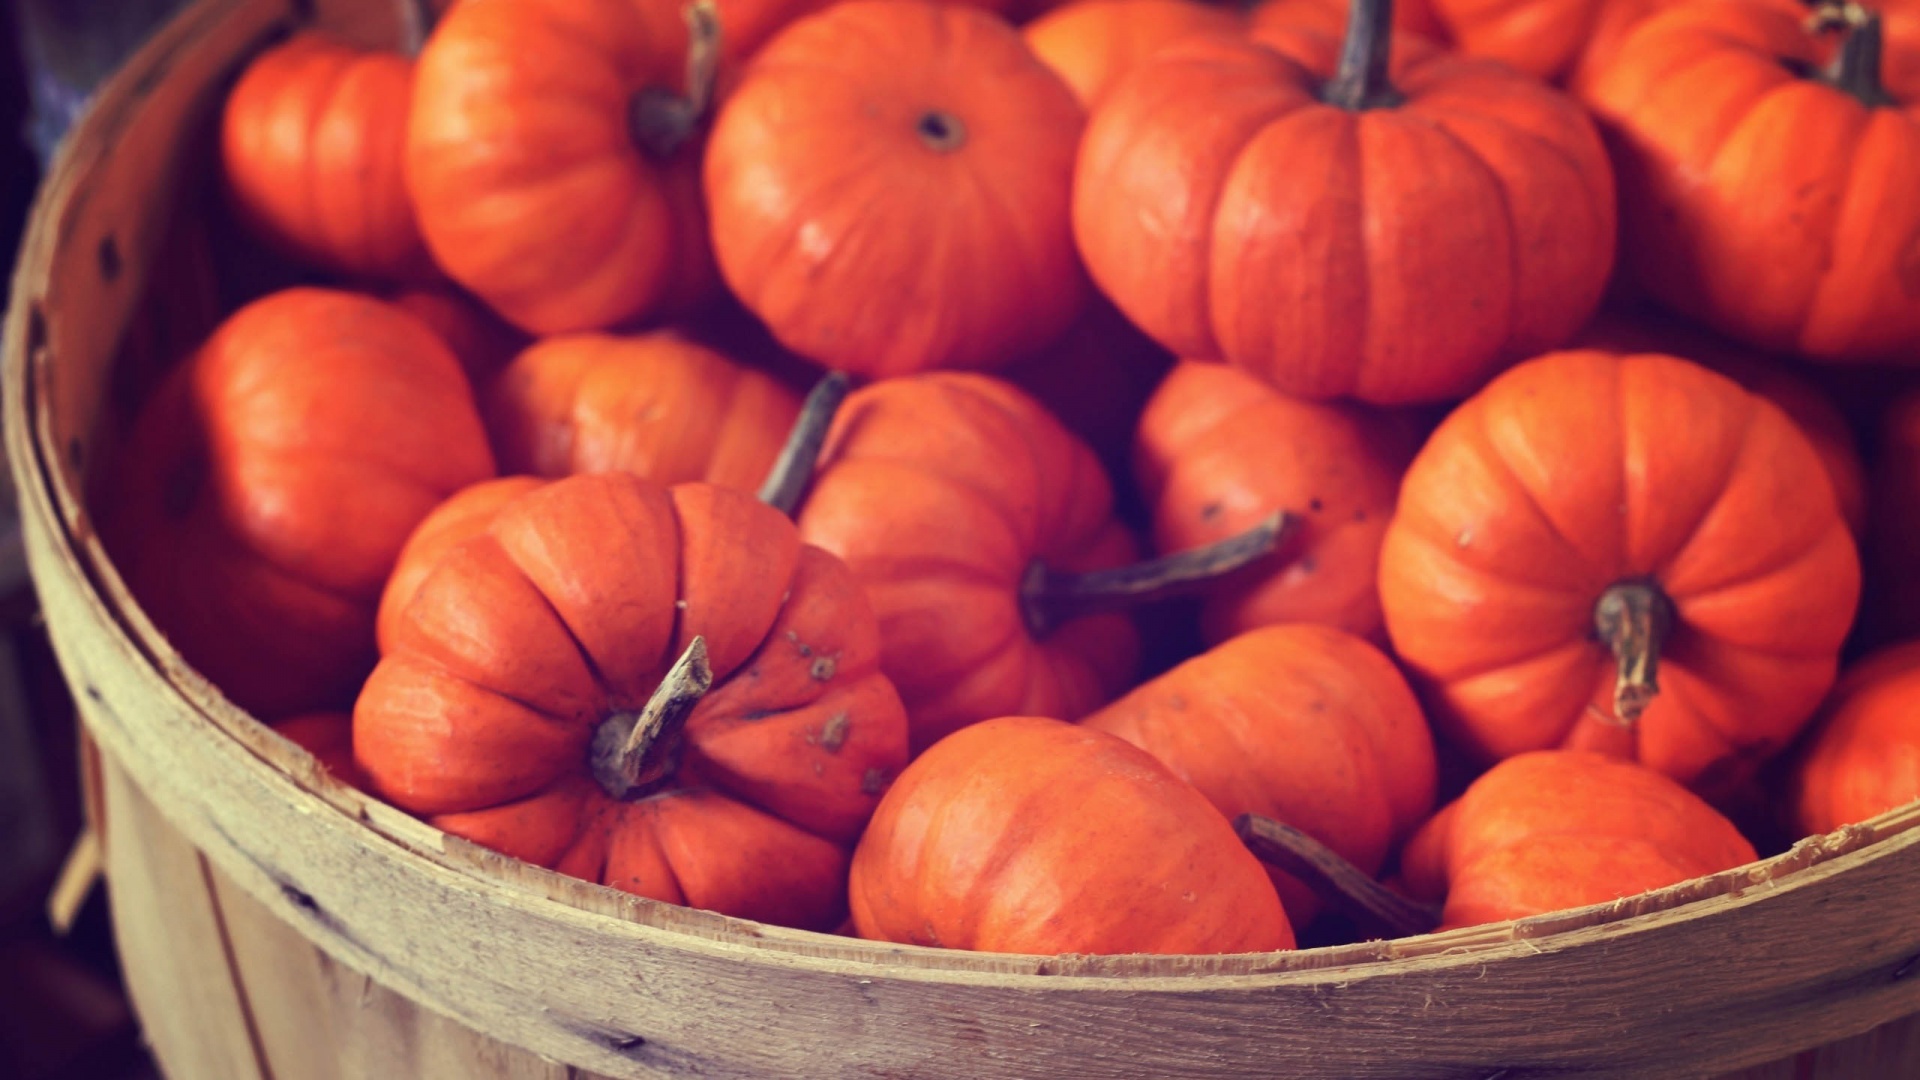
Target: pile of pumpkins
x=1138 y=476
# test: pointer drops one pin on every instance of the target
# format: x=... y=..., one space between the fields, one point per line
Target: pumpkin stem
x=793 y=470
x=1337 y=881
x=1049 y=597
x=634 y=753
x=661 y=121
x=1856 y=67
x=1633 y=618
x=1360 y=82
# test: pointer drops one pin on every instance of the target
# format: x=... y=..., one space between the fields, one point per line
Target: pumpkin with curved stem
x=1217 y=450
x=553 y=151
x=1479 y=231
x=1804 y=403
x=1093 y=43
x=1552 y=829
x=1862 y=755
x=1304 y=724
x=312 y=151
x=660 y=689
x=889 y=190
x=984 y=533
x=1764 y=174
x=1628 y=554
x=266 y=490
x=656 y=405
x=984 y=843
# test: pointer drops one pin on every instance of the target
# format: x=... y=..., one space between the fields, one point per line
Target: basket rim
x=51 y=500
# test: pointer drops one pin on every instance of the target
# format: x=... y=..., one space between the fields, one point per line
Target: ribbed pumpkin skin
x=1217 y=451
x=940 y=491
x=1306 y=725
x=1552 y=830
x=1774 y=379
x=545 y=614
x=1579 y=470
x=266 y=489
x=1862 y=756
x=530 y=188
x=312 y=147
x=1092 y=44
x=656 y=405
x=1028 y=835
x=1443 y=238
x=1770 y=206
x=868 y=244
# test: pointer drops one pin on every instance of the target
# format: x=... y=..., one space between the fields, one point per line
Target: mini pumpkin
x=1553 y=829
x=553 y=150
x=266 y=489
x=1093 y=43
x=1765 y=174
x=312 y=150
x=1862 y=756
x=659 y=689
x=1627 y=554
x=657 y=405
x=1217 y=451
x=889 y=188
x=1479 y=231
x=984 y=533
x=1029 y=835
x=1307 y=725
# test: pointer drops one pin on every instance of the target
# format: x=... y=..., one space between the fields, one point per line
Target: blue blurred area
x=66 y=47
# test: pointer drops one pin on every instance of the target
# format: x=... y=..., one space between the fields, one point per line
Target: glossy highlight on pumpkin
x=1028 y=835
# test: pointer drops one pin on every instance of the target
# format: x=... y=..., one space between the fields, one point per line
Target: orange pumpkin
x=658 y=405
x=1543 y=39
x=1819 y=418
x=1217 y=451
x=1628 y=554
x=552 y=157
x=1862 y=756
x=943 y=492
x=1093 y=43
x=1479 y=231
x=1303 y=724
x=889 y=188
x=479 y=339
x=1028 y=835
x=1552 y=830
x=1764 y=179
x=529 y=697
x=266 y=489
x=312 y=149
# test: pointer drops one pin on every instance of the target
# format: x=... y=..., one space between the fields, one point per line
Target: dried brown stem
x=786 y=483
x=635 y=753
x=1337 y=881
x=661 y=121
x=1632 y=619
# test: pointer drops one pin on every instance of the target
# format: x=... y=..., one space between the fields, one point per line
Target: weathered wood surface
x=236 y=864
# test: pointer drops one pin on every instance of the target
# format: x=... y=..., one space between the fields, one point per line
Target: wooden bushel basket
x=275 y=924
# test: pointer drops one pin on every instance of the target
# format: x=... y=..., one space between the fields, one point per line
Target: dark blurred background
x=63 y=1013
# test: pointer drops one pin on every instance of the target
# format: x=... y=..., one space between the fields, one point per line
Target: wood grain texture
x=234 y=860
